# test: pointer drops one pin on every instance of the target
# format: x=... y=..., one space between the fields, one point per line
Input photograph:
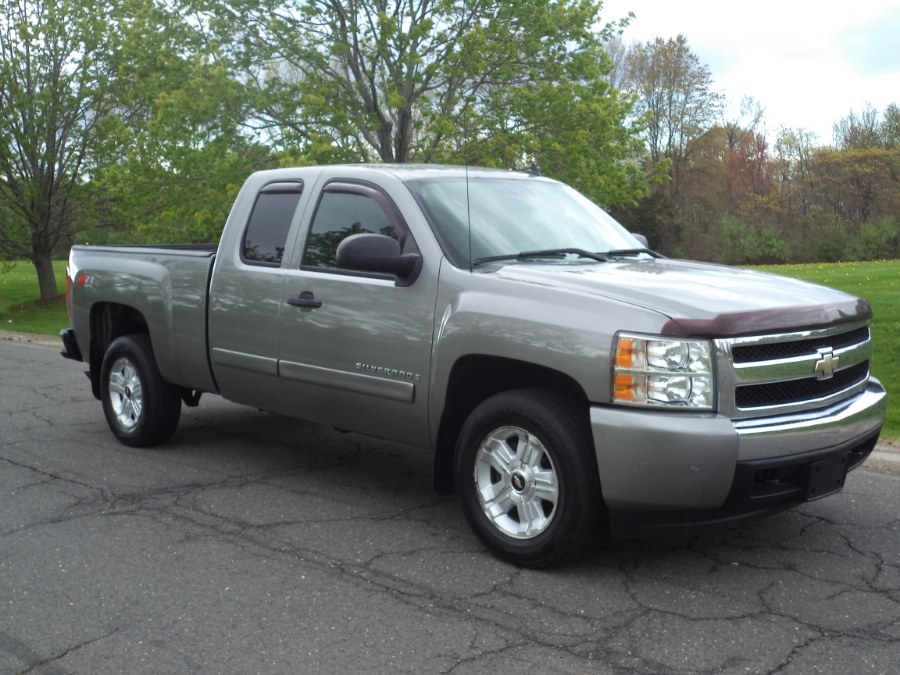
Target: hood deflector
x=758 y=322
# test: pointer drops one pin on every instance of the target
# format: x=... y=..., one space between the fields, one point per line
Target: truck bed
x=166 y=286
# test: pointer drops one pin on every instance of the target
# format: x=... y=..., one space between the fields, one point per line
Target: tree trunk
x=46 y=278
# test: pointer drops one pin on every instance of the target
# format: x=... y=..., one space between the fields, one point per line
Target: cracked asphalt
x=256 y=544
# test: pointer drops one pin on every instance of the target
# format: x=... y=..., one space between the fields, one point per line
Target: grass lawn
x=19 y=311
x=878 y=282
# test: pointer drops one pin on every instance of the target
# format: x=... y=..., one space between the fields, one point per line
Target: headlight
x=657 y=371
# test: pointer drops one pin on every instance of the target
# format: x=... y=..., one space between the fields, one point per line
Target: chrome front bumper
x=804 y=432
x=694 y=463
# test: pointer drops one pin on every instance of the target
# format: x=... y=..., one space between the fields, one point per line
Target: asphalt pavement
x=252 y=543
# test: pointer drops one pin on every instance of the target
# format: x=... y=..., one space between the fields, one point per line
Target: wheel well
x=110 y=320
x=476 y=378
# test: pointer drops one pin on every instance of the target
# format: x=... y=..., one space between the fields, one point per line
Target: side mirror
x=377 y=253
x=641 y=238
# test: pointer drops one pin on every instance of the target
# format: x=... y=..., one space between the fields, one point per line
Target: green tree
x=494 y=81
x=749 y=167
x=674 y=93
x=675 y=100
x=122 y=124
x=867 y=130
x=574 y=125
x=181 y=154
x=861 y=185
x=860 y=130
x=185 y=199
x=890 y=126
x=56 y=84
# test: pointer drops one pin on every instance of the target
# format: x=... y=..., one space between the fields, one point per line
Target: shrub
x=742 y=244
x=877 y=241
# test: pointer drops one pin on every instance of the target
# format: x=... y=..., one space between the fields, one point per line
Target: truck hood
x=700 y=299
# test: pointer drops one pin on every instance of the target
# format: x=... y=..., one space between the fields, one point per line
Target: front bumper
x=669 y=472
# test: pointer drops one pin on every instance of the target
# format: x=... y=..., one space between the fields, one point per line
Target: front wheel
x=526 y=477
x=140 y=408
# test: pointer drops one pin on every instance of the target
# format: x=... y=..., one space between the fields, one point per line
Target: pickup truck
x=564 y=376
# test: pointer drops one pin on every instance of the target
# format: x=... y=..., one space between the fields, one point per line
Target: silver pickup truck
x=564 y=375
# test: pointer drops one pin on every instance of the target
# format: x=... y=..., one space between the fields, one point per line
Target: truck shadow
x=352 y=472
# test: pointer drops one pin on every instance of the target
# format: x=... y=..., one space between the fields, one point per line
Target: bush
x=825 y=239
x=742 y=244
x=877 y=241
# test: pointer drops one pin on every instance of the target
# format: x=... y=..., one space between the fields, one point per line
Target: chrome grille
x=797 y=391
x=781 y=350
x=776 y=374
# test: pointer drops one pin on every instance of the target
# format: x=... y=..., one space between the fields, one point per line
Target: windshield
x=509 y=216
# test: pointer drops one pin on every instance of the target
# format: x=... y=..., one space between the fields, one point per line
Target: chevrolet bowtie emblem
x=827 y=364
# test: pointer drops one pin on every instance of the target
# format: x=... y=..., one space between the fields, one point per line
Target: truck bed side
x=161 y=291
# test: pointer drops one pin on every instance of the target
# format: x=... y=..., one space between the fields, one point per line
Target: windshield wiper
x=624 y=252
x=548 y=253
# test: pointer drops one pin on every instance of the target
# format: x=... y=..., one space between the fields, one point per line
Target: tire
x=527 y=477
x=140 y=408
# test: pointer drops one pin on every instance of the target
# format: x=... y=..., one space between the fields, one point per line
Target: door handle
x=306 y=301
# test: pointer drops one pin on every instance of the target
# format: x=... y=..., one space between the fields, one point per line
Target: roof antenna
x=533 y=170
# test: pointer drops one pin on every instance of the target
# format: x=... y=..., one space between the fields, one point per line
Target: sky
x=808 y=63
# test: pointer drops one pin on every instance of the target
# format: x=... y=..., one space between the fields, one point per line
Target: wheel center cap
x=127 y=392
x=518 y=481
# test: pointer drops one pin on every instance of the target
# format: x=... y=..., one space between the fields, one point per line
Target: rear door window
x=269 y=224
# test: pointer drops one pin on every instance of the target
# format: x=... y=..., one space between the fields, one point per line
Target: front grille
x=783 y=350
x=763 y=375
x=796 y=391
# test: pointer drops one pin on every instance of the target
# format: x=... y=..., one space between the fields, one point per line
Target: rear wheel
x=140 y=408
x=527 y=478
